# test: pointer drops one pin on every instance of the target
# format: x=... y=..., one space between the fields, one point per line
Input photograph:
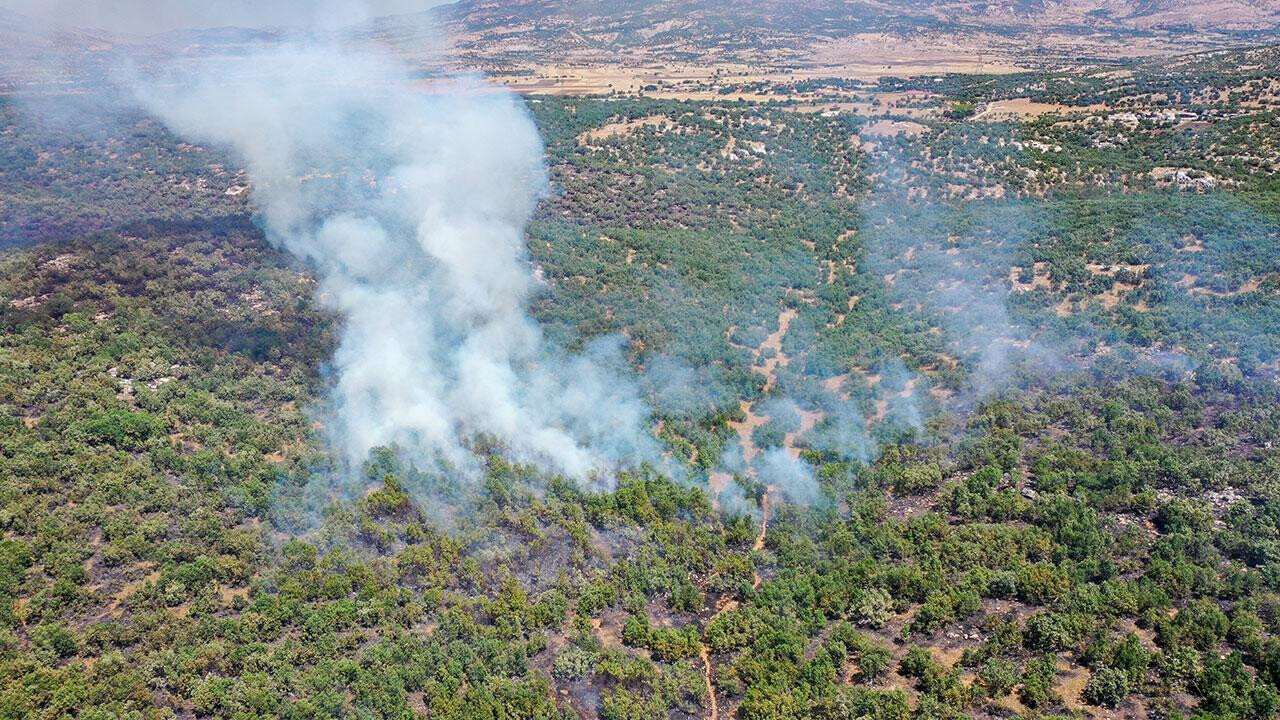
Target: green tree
x=1107 y=686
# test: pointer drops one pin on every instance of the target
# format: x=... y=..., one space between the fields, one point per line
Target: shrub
x=1107 y=686
x=999 y=677
x=121 y=428
x=873 y=662
x=873 y=607
x=574 y=663
x=916 y=662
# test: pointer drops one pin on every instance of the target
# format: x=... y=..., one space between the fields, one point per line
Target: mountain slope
x=548 y=31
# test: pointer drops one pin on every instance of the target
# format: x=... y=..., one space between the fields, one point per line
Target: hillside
x=960 y=371
x=741 y=29
x=775 y=37
x=1098 y=533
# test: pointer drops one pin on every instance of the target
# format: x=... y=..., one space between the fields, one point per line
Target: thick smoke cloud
x=411 y=205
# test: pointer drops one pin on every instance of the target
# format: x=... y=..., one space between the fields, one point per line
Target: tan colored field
x=1249 y=286
x=1019 y=108
x=870 y=56
x=621 y=128
x=863 y=57
x=888 y=128
x=596 y=65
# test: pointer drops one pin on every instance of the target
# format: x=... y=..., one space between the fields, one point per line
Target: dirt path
x=705 y=654
x=752 y=420
x=768 y=367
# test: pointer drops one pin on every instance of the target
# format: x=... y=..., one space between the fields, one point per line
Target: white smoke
x=411 y=204
x=779 y=469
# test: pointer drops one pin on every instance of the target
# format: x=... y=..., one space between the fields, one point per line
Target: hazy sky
x=152 y=16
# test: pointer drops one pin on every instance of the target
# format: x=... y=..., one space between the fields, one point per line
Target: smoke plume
x=411 y=205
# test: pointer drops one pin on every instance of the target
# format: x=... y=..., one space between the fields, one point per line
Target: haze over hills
x=604 y=46
x=726 y=25
x=646 y=21
x=497 y=35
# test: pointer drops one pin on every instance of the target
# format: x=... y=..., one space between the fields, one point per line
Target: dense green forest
x=1033 y=376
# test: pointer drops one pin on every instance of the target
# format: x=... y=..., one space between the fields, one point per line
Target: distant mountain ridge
x=496 y=35
x=650 y=21
x=547 y=31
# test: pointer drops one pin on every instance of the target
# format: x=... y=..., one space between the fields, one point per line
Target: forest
x=1028 y=365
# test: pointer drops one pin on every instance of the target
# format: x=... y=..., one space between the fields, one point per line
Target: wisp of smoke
x=411 y=205
x=778 y=469
x=843 y=431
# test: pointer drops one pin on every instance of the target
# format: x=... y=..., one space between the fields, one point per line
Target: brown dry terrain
x=711 y=49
